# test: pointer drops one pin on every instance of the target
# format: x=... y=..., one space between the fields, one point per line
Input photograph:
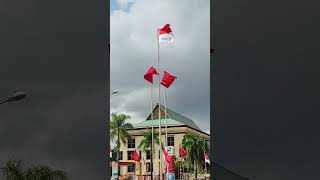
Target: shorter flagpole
x=152 y=131
x=205 y=164
x=165 y=114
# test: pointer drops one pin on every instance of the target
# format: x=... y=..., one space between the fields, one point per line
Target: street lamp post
x=118 y=139
x=16 y=96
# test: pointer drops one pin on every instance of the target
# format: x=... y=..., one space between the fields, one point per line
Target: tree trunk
x=196 y=165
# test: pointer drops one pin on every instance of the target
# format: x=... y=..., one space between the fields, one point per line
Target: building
x=177 y=126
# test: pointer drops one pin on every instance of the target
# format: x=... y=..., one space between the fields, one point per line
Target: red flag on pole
x=166 y=35
x=206 y=158
x=167 y=79
x=183 y=151
x=166 y=156
x=135 y=156
x=149 y=74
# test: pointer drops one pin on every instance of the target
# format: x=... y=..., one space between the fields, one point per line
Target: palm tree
x=146 y=144
x=15 y=170
x=195 y=147
x=118 y=128
x=41 y=172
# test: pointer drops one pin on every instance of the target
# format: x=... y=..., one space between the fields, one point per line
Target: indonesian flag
x=167 y=79
x=135 y=156
x=206 y=158
x=166 y=35
x=183 y=152
x=166 y=156
x=149 y=74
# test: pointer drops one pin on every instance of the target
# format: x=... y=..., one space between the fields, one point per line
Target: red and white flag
x=166 y=35
x=166 y=156
x=206 y=158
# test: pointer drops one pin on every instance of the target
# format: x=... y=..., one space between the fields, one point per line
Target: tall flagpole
x=152 y=146
x=165 y=115
x=160 y=170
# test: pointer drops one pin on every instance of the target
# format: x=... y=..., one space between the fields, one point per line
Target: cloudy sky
x=56 y=52
x=133 y=26
x=266 y=69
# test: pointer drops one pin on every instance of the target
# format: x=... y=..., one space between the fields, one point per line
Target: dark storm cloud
x=266 y=95
x=56 y=52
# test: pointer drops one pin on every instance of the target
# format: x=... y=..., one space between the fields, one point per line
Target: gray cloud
x=134 y=50
x=56 y=52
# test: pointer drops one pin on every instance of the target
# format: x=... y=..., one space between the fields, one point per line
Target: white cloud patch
x=134 y=50
x=124 y=3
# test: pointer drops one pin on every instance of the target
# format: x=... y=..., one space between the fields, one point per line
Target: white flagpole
x=165 y=112
x=205 y=164
x=159 y=108
x=152 y=146
x=165 y=115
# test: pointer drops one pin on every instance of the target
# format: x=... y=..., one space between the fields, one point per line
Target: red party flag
x=135 y=156
x=183 y=151
x=167 y=79
x=149 y=74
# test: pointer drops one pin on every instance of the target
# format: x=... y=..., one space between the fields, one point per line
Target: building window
x=140 y=154
x=159 y=154
x=121 y=155
x=170 y=141
x=129 y=154
x=131 y=143
x=148 y=167
x=131 y=168
x=148 y=152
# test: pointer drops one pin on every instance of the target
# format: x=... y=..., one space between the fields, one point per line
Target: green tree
x=195 y=146
x=16 y=170
x=146 y=144
x=118 y=130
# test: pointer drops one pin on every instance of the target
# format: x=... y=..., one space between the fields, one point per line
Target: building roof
x=149 y=123
x=173 y=119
